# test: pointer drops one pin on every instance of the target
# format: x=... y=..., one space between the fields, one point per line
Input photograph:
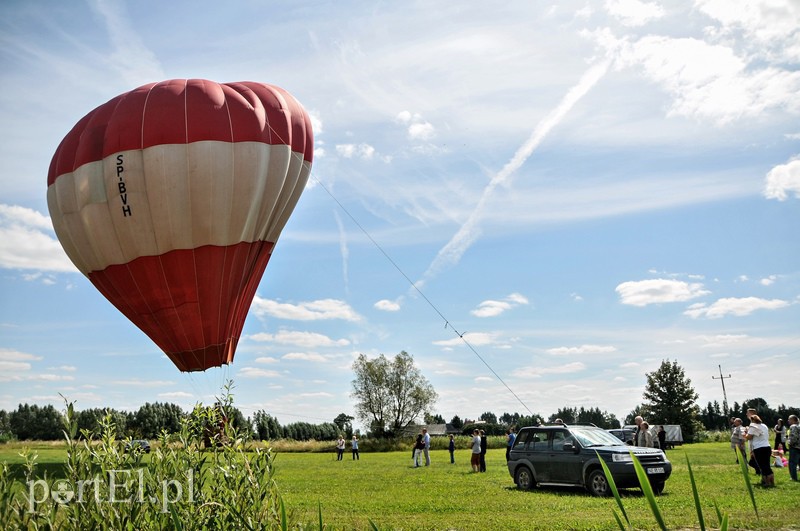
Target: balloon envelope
x=170 y=199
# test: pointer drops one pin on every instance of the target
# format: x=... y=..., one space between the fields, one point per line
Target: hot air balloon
x=170 y=198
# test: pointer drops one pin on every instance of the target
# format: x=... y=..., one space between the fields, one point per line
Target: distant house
x=435 y=430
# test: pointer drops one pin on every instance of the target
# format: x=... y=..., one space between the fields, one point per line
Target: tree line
x=45 y=423
x=391 y=395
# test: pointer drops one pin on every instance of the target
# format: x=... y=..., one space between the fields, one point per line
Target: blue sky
x=581 y=189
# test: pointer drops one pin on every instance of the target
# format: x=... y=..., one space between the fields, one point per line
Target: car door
x=565 y=465
x=537 y=451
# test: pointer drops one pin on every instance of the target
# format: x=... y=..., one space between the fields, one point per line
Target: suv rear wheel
x=524 y=478
x=597 y=483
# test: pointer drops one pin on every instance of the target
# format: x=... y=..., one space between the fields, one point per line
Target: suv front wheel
x=597 y=483
x=524 y=478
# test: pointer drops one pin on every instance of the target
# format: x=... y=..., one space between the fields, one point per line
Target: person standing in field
x=644 y=437
x=662 y=438
x=510 y=437
x=419 y=445
x=780 y=434
x=484 y=447
x=758 y=435
x=452 y=449
x=475 y=460
x=339 y=448
x=737 y=439
x=793 y=445
x=426 y=440
x=354 y=446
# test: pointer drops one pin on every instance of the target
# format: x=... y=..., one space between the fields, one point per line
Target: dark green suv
x=567 y=455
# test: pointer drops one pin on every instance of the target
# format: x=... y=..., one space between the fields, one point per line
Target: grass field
x=384 y=488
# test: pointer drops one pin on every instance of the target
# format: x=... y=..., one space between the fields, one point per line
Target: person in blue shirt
x=354 y=444
x=510 y=438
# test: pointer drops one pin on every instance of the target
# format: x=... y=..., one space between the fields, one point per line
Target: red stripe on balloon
x=191 y=303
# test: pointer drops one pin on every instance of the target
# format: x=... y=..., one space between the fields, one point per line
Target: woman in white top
x=758 y=435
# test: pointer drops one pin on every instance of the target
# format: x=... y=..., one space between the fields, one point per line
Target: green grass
x=384 y=488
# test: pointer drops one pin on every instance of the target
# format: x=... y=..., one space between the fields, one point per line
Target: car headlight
x=622 y=458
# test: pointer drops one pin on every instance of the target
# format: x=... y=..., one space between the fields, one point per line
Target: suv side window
x=560 y=438
x=538 y=441
x=521 y=440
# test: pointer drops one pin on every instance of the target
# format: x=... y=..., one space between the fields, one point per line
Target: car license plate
x=656 y=470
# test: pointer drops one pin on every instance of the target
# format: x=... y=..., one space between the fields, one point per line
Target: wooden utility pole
x=724 y=394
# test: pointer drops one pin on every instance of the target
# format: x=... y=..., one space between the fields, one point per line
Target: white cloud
x=536 y=372
x=768 y=27
x=583 y=349
x=254 y=372
x=387 y=305
x=634 y=12
x=176 y=394
x=25 y=241
x=324 y=309
x=492 y=308
x=476 y=339
x=656 y=291
x=300 y=339
x=305 y=356
x=739 y=307
x=421 y=131
x=349 y=151
x=768 y=281
x=706 y=80
x=14 y=366
x=7 y=354
x=783 y=180
x=67 y=368
x=267 y=360
x=418 y=128
x=136 y=382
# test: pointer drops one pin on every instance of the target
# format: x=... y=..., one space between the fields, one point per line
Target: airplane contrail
x=469 y=232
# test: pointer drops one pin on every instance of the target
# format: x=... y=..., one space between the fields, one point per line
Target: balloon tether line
x=416 y=288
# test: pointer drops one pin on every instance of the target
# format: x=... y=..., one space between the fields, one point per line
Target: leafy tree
x=5 y=427
x=266 y=426
x=36 y=423
x=768 y=415
x=89 y=420
x=670 y=399
x=434 y=419
x=601 y=419
x=509 y=419
x=390 y=395
x=488 y=417
x=713 y=418
x=344 y=424
x=457 y=422
x=568 y=414
x=151 y=419
x=639 y=411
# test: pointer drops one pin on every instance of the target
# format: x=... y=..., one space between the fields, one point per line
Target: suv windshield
x=594 y=437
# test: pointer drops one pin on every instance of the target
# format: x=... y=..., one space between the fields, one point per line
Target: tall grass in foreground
x=648 y=493
x=181 y=486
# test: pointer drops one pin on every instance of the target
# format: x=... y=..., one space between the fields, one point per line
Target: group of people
x=422 y=447
x=761 y=452
x=340 y=445
x=644 y=437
